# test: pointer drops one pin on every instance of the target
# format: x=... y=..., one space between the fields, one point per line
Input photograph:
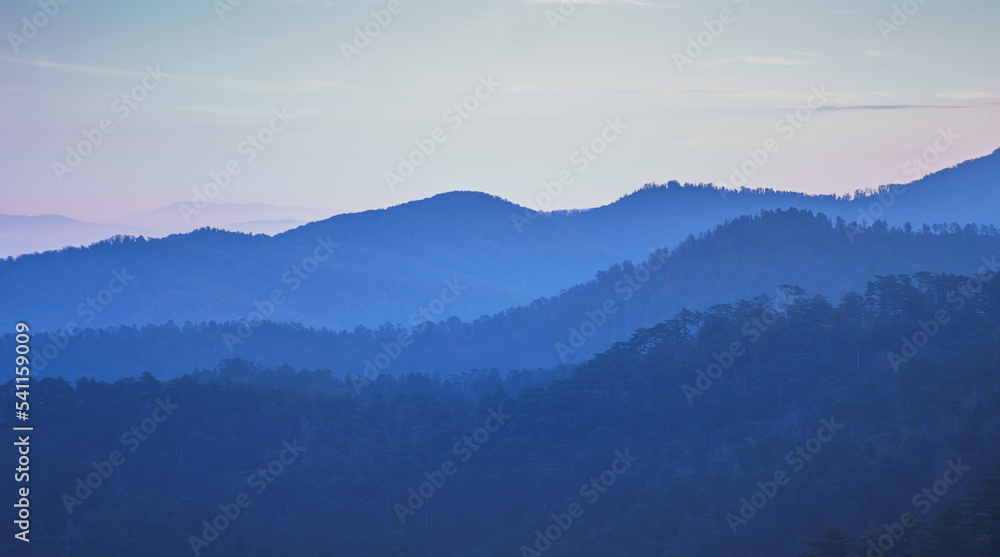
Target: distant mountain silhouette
x=269 y=227
x=744 y=258
x=220 y=215
x=21 y=234
x=26 y=234
x=392 y=262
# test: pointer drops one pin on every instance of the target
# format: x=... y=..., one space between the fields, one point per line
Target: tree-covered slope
x=744 y=258
x=812 y=416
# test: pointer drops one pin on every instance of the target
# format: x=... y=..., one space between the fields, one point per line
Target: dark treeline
x=860 y=407
x=472 y=385
x=741 y=259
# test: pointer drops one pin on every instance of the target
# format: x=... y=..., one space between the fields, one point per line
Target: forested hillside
x=744 y=258
x=728 y=432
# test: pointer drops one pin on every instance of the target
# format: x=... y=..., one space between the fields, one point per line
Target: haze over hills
x=220 y=215
x=745 y=258
x=389 y=263
x=964 y=193
x=819 y=370
x=303 y=278
x=20 y=234
x=23 y=234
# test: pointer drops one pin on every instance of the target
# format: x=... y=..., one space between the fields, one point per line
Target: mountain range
x=22 y=234
x=770 y=255
x=378 y=339
x=389 y=263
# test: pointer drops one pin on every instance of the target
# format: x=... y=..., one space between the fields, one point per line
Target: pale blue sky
x=608 y=59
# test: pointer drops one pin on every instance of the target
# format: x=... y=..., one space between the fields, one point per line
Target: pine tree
x=950 y=535
x=983 y=510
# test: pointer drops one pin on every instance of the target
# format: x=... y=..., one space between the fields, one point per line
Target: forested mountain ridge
x=815 y=396
x=744 y=258
x=385 y=264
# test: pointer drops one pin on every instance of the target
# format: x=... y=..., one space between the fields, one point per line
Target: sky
x=503 y=96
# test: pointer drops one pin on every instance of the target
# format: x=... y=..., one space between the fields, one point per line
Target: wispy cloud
x=875 y=54
x=758 y=61
x=970 y=95
x=295 y=85
x=77 y=68
x=881 y=94
x=606 y=3
x=216 y=110
x=657 y=90
x=905 y=106
x=307 y=3
x=708 y=142
x=773 y=61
